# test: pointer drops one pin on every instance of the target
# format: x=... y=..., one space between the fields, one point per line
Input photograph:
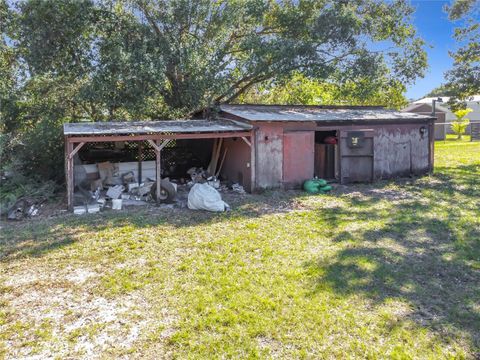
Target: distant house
x=424 y=106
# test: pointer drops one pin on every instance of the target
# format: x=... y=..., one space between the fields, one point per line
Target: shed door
x=298 y=157
x=356 y=156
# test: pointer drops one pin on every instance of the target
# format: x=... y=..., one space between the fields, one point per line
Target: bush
x=15 y=185
x=32 y=162
x=38 y=151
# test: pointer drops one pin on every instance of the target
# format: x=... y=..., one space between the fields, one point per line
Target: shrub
x=459 y=126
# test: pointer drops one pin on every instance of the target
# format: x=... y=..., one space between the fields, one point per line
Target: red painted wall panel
x=298 y=157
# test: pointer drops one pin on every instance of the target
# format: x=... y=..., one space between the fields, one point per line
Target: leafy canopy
x=464 y=77
x=169 y=57
x=300 y=89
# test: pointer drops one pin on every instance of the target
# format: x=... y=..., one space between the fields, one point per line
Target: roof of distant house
x=445 y=99
x=415 y=106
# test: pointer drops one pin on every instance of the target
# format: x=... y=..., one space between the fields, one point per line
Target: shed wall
x=399 y=150
x=269 y=156
x=237 y=165
x=298 y=157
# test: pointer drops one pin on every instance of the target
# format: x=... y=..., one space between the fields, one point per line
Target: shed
x=349 y=144
x=155 y=137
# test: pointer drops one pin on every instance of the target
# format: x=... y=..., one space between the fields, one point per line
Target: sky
x=434 y=27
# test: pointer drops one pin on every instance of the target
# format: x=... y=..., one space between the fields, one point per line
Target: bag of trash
x=205 y=197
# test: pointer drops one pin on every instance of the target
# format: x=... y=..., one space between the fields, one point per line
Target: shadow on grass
x=36 y=237
x=426 y=252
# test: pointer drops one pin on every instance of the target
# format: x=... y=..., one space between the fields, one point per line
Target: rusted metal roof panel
x=317 y=113
x=154 y=127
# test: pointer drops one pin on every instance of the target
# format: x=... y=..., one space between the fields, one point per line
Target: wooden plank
x=253 y=161
x=246 y=141
x=76 y=149
x=140 y=155
x=221 y=163
x=154 y=145
x=108 y=138
x=158 y=170
x=69 y=175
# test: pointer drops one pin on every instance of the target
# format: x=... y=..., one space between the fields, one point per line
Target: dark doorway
x=325 y=154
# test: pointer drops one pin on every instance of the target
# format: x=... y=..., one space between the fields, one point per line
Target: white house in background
x=444 y=114
x=473 y=103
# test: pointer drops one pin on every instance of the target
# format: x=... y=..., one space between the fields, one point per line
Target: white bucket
x=117 y=204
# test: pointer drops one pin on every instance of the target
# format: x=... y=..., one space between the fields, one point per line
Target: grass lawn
x=390 y=270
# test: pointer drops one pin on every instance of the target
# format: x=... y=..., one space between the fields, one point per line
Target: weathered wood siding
x=400 y=150
x=269 y=156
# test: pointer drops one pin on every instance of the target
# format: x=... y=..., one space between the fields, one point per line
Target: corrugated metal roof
x=152 y=127
x=317 y=113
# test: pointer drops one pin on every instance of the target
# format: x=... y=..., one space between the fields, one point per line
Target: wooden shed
x=155 y=137
x=268 y=146
x=350 y=144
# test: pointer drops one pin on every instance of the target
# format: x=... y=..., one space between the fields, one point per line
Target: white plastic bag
x=205 y=197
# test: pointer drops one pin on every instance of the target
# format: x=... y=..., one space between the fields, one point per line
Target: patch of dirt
x=80 y=324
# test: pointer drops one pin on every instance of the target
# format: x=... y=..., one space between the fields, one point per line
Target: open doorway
x=325 y=154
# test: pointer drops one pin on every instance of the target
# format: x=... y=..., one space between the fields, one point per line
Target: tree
x=459 y=126
x=464 y=77
x=182 y=56
x=442 y=90
x=302 y=90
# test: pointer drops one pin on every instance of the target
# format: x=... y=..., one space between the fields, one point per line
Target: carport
x=157 y=133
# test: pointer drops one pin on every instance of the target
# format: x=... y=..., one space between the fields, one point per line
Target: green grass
x=390 y=270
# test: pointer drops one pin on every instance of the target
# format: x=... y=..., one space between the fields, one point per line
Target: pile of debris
x=25 y=208
x=116 y=185
x=114 y=190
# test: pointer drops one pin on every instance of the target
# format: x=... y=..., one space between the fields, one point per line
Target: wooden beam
x=140 y=155
x=69 y=174
x=253 y=162
x=74 y=151
x=109 y=138
x=158 y=169
x=165 y=143
x=246 y=140
x=154 y=145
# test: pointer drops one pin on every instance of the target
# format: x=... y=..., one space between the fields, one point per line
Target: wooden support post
x=69 y=173
x=158 y=169
x=253 y=157
x=140 y=156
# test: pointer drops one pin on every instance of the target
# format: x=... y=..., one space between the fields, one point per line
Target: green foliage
x=442 y=90
x=459 y=126
x=15 y=185
x=300 y=89
x=464 y=77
